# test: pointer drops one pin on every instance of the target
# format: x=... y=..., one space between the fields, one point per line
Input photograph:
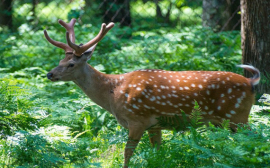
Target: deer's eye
x=70 y=65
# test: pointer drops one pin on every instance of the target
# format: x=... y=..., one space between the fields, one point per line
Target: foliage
x=209 y=147
x=15 y=105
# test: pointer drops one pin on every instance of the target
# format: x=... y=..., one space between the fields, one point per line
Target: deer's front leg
x=155 y=137
x=135 y=134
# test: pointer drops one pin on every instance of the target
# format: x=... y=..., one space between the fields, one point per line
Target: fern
x=196 y=116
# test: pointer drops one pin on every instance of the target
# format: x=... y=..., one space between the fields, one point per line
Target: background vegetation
x=45 y=124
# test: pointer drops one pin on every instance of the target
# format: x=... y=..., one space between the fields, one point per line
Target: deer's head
x=76 y=56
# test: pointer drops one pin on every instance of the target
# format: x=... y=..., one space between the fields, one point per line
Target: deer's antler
x=79 y=50
x=70 y=28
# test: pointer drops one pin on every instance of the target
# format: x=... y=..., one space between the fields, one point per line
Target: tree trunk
x=116 y=11
x=255 y=34
x=221 y=15
x=159 y=16
x=6 y=13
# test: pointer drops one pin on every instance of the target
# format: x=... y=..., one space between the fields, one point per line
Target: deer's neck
x=96 y=85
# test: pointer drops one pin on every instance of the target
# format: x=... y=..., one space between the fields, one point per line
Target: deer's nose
x=49 y=75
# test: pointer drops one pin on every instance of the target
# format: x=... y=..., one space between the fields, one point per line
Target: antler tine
x=69 y=27
x=57 y=43
x=81 y=49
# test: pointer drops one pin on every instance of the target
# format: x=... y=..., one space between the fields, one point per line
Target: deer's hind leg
x=155 y=137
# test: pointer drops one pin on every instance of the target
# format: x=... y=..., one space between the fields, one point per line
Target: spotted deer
x=137 y=99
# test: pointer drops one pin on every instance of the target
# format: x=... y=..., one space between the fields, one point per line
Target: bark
x=6 y=13
x=255 y=34
x=221 y=15
x=161 y=18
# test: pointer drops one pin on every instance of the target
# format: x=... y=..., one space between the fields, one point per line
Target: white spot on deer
x=140 y=100
x=180 y=88
x=213 y=100
x=177 y=80
x=200 y=86
x=134 y=106
x=244 y=94
x=228 y=115
x=218 y=79
x=158 y=98
x=163 y=103
x=153 y=98
x=204 y=80
x=222 y=95
x=126 y=94
x=138 y=88
x=219 y=107
x=223 y=82
x=223 y=101
x=169 y=102
x=210 y=112
x=193 y=85
x=175 y=106
x=187 y=105
x=121 y=77
x=195 y=94
x=121 y=91
x=229 y=90
x=162 y=87
x=206 y=107
x=130 y=110
x=165 y=77
x=239 y=100
x=147 y=106
x=164 y=97
x=232 y=112
x=236 y=105
x=152 y=77
x=200 y=102
x=169 y=95
x=158 y=90
x=158 y=102
x=180 y=104
x=159 y=76
x=130 y=85
x=155 y=85
x=187 y=88
x=207 y=92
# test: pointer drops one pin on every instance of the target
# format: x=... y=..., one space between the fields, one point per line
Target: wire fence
x=134 y=17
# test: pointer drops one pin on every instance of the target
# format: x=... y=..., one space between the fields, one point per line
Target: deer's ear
x=88 y=54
